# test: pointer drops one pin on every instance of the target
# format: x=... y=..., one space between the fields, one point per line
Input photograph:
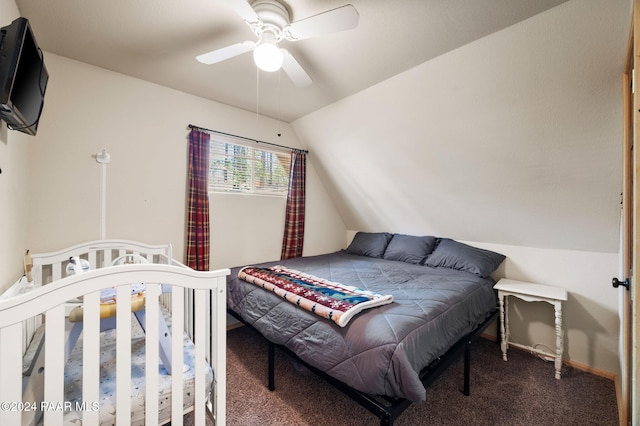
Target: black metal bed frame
x=386 y=408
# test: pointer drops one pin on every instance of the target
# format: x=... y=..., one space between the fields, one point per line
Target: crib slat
x=10 y=373
x=200 y=299
x=92 y=259
x=54 y=365
x=30 y=326
x=219 y=352
x=123 y=355
x=36 y=273
x=56 y=271
x=91 y=358
x=177 y=355
x=152 y=354
x=188 y=309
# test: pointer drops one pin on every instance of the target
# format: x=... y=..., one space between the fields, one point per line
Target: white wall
x=144 y=128
x=590 y=315
x=14 y=185
x=246 y=231
x=513 y=140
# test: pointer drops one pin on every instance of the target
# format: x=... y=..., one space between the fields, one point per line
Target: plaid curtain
x=197 y=256
x=293 y=239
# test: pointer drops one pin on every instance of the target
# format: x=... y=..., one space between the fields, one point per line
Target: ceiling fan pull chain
x=279 y=103
x=257 y=94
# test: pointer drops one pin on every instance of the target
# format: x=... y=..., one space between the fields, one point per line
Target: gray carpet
x=522 y=391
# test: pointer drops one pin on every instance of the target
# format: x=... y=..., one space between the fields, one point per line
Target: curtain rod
x=191 y=126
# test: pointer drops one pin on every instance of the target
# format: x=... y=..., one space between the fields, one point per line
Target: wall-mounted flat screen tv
x=23 y=77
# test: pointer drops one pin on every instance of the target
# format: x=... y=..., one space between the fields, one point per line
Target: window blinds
x=247 y=169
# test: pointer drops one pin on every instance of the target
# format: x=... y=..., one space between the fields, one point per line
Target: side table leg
x=503 y=333
x=559 y=345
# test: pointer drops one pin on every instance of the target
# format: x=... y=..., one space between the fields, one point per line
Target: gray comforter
x=382 y=350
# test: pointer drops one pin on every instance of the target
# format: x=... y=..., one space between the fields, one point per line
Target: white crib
x=195 y=301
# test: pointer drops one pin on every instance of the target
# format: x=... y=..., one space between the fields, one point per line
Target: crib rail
x=208 y=293
x=49 y=267
x=52 y=266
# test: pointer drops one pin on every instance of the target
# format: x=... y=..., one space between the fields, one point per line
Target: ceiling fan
x=270 y=22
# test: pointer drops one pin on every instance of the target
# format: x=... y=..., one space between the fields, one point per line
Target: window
x=246 y=169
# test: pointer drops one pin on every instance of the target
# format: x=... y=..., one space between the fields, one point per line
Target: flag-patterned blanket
x=334 y=301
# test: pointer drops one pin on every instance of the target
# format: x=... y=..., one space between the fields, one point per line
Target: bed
x=384 y=356
x=50 y=374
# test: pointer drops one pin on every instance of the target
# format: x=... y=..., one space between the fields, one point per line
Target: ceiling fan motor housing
x=274 y=16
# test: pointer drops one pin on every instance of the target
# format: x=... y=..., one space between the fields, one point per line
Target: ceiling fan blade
x=293 y=69
x=340 y=19
x=243 y=9
x=226 y=52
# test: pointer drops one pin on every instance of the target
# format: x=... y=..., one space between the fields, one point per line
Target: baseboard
x=489 y=337
x=234 y=325
x=602 y=373
x=570 y=363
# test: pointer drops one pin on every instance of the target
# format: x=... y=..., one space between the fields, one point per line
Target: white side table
x=530 y=292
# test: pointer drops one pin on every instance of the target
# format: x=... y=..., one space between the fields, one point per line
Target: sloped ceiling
x=515 y=138
x=158 y=40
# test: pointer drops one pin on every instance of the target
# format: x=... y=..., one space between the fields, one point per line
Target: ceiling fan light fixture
x=267 y=55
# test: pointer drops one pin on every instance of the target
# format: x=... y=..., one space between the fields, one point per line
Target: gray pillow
x=455 y=255
x=409 y=248
x=372 y=244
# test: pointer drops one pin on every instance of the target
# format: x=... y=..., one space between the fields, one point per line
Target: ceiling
x=158 y=40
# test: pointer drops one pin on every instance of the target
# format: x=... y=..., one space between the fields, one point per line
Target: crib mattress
x=73 y=378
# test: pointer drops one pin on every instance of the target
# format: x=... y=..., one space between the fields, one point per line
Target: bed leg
x=386 y=420
x=467 y=369
x=272 y=373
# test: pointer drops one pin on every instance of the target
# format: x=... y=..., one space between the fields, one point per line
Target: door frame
x=629 y=404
